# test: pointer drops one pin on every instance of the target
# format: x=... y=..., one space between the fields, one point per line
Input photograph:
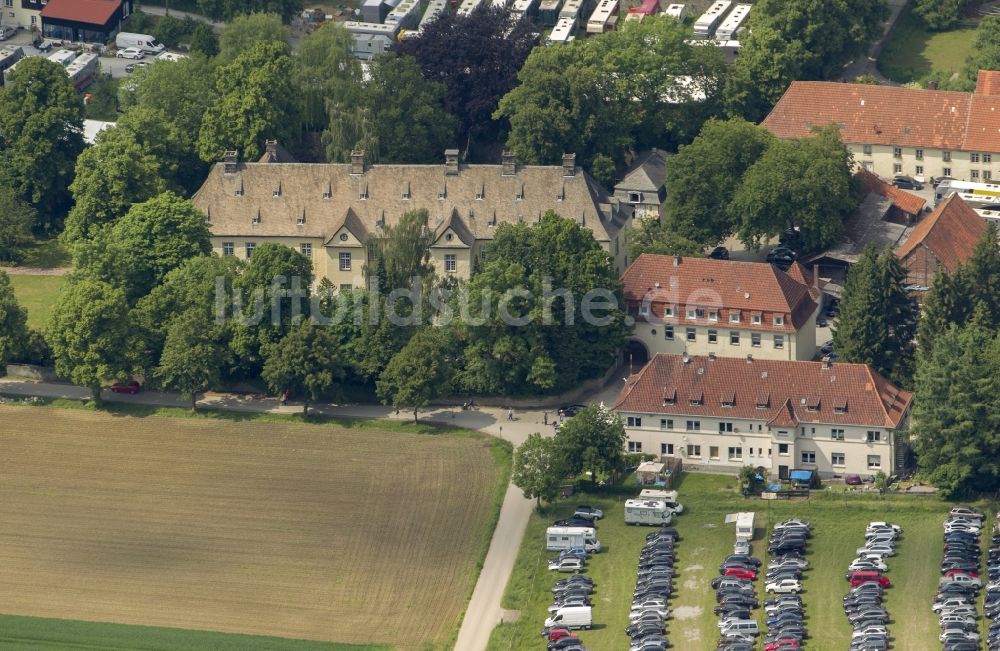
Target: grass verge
x=838 y=518
x=912 y=53
x=37 y=295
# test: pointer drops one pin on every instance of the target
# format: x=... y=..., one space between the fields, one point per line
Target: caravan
x=652 y=512
x=667 y=497
x=560 y=538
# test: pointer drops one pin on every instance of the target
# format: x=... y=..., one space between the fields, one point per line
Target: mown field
x=912 y=52
x=838 y=520
x=293 y=530
x=37 y=295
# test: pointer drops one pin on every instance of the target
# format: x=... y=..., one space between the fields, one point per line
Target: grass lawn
x=259 y=526
x=838 y=518
x=32 y=633
x=912 y=53
x=37 y=295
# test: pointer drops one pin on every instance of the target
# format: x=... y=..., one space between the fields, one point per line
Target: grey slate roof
x=646 y=174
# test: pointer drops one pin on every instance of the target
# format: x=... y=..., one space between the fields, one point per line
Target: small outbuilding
x=652 y=473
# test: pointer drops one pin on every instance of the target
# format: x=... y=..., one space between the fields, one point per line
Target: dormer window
x=327 y=194
x=520 y=193
x=840 y=406
x=779 y=320
x=277 y=191
x=301 y=219
x=668 y=310
x=811 y=403
x=713 y=316
x=734 y=317
x=406 y=191
x=763 y=400
x=239 y=192
x=755 y=319
x=728 y=398
x=644 y=309
x=697 y=398
x=670 y=397
x=363 y=194
x=480 y=193
x=691 y=313
x=256 y=218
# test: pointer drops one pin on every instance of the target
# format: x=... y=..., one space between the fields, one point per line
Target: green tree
x=419 y=373
x=134 y=161
x=802 y=183
x=538 y=468
x=876 y=323
x=307 y=362
x=401 y=253
x=541 y=340
x=90 y=335
x=204 y=41
x=228 y=9
x=256 y=99
x=16 y=220
x=325 y=68
x=593 y=440
x=169 y=30
x=140 y=249
x=41 y=134
x=13 y=322
x=192 y=355
x=702 y=179
x=654 y=235
x=939 y=14
x=985 y=51
x=244 y=33
x=103 y=104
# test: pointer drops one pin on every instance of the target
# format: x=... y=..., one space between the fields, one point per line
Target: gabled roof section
x=457 y=225
x=647 y=173
x=768 y=390
x=950 y=233
x=353 y=224
x=908 y=203
x=93 y=12
x=988 y=82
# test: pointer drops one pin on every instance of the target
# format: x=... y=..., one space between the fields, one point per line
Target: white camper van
x=652 y=512
x=144 y=42
x=560 y=538
x=571 y=617
x=669 y=497
x=744 y=526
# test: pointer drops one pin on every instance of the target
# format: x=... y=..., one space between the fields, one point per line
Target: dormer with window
x=713 y=315
x=668 y=311
x=697 y=397
x=301 y=219
x=734 y=316
x=520 y=193
x=729 y=398
x=779 y=320
x=256 y=218
x=277 y=191
x=763 y=400
x=406 y=192
x=755 y=319
x=328 y=193
x=669 y=396
x=691 y=313
x=840 y=406
x=239 y=189
x=644 y=309
x=481 y=192
x=363 y=192
x=811 y=403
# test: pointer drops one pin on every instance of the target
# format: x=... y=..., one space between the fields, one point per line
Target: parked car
x=719 y=253
x=567 y=565
x=783 y=586
x=907 y=182
x=130 y=53
x=588 y=513
x=126 y=387
x=6 y=31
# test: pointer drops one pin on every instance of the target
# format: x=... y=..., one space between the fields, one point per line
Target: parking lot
x=109 y=64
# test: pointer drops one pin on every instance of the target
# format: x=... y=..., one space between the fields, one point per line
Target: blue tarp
x=774 y=488
x=801 y=475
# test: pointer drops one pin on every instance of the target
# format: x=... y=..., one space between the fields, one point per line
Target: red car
x=126 y=387
x=881 y=580
x=954 y=572
x=781 y=645
x=557 y=634
x=740 y=573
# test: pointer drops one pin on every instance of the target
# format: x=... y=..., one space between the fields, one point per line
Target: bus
x=604 y=17
x=708 y=21
x=572 y=10
x=977 y=195
x=563 y=32
x=731 y=26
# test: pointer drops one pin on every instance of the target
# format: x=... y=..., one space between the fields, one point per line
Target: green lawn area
x=912 y=53
x=47 y=254
x=838 y=519
x=18 y=633
x=37 y=295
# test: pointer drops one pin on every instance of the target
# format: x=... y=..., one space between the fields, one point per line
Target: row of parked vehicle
x=992 y=604
x=785 y=614
x=734 y=592
x=647 y=627
x=863 y=604
x=571 y=608
x=959 y=586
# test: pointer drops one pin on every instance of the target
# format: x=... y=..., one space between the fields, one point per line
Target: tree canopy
x=192 y=356
x=234 y=9
x=325 y=71
x=940 y=14
x=593 y=440
x=16 y=220
x=985 y=51
x=13 y=322
x=246 y=31
x=654 y=235
x=538 y=468
x=41 y=134
x=419 y=373
x=307 y=363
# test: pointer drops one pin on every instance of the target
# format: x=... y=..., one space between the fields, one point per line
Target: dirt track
x=277 y=529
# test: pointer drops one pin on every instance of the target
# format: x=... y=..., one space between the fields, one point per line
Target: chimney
x=569 y=164
x=451 y=161
x=711 y=357
x=357 y=162
x=677 y=260
x=508 y=163
x=230 y=161
x=749 y=358
x=827 y=361
x=271 y=149
x=932 y=85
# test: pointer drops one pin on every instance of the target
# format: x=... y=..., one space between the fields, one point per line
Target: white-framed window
x=255 y=219
x=987 y=158
x=228 y=248
x=450 y=263
x=755 y=339
x=713 y=315
x=735 y=454
x=634 y=421
x=755 y=319
x=345 y=261
x=666 y=448
x=635 y=446
x=779 y=320
x=782 y=449
x=691 y=334
x=946 y=171
x=808 y=457
x=874 y=436
x=666 y=423
x=691 y=313
x=668 y=310
x=920 y=170
x=987 y=175
x=836 y=434
x=946 y=156
x=634 y=197
x=306 y=249
x=838 y=459
x=644 y=309
x=897 y=168
x=725 y=427
x=734 y=338
x=694 y=451
x=919 y=153
x=974 y=175
x=249 y=247
x=734 y=317
x=973 y=157
x=713 y=336
x=693 y=426
x=779 y=341
x=713 y=452
x=866 y=150
x=897 y=152
x=668 y=333
x=300 y=220
x=874 y=461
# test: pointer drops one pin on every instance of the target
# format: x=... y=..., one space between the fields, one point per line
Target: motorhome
x=667 y=497
x=708 y=21
x=730 y=28
x=560 y=538
x=678 y=12
x=744 y=526
x=652 y=512
x=144 y=42
x=563 y=32
x=604 y=18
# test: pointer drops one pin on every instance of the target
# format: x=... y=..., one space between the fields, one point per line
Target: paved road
x=865 y=65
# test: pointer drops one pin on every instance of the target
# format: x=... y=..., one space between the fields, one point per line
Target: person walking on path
x=510 y=414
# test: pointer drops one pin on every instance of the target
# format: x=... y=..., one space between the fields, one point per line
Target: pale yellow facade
x=18 y=16
x=924 y=163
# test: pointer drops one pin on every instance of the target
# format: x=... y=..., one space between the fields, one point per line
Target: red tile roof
x=789 y=386
x=889 y=115
x=725 y=285
x=950 y=232
x=908 y=203
x=94 y=12
x=988 y=82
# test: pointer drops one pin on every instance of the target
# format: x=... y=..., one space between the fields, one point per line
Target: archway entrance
x=635 y=356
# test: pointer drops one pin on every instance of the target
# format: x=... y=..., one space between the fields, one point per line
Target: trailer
x=563 y=32
x=560 y=538
x=708 y=21
x=371 y=39
x=524 y=8
x=677 y=12
x=977 y=195
x=406 y=15
x=647 y=8
x=669 y=498
x=548 y=13
x=434 y=9
x=83 y=70
x=62 y=57
x=604 y=18
x=651 y=512
x=731 y=26
x=572 y=9
x=744 y=524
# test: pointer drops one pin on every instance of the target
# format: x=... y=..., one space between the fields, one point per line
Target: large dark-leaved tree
x=477 y=58
x=307 y=363
x=535 y=334
x=592 y=441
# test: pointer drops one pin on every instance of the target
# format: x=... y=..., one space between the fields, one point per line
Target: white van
x=560 y=538
x=571 y=617
x=652 y=512
x=739 y=626
x=144 y=42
